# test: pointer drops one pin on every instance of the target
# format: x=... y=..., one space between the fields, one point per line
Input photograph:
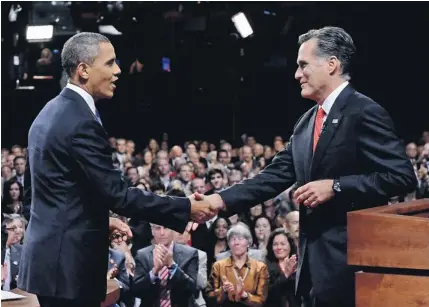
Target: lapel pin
x=335 y=121
x=15 y=262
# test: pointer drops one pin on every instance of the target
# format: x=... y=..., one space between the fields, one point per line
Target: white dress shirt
x=85 y=95
x=329 y=101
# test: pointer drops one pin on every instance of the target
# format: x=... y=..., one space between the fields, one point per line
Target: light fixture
x=242 y=25
x=39 y=33
x=109 y=30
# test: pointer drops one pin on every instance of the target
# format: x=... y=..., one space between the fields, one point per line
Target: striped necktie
x=165 y=300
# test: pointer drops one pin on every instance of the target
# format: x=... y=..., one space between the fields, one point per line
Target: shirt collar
x=85 y=95
x=329 y=101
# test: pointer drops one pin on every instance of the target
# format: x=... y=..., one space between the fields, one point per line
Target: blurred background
x=186 y=71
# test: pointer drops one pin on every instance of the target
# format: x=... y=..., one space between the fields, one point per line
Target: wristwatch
x=336 y=186
x=244 y=296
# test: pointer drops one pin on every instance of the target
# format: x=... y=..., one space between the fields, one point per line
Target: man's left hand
x=315 y=193
x=119 y=230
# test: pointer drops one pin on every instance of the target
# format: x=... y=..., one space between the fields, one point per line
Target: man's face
x=120 y=146
x=223 y=157
x=247 y=154
x=9 y=160
x=258 y=150
x=17 y=151
x=103 y=72
x=163 y=167
x=278 y=146
x=292 y=223
x=198 y=186
x=216 y=181
x=411 y=150
x=162 y=235
x=251 y=141
x=186 y=173
x=312 y=72
x=130 y=147
x=133 y=175
x=191 y=148
x=20 y=166
x=112 y=142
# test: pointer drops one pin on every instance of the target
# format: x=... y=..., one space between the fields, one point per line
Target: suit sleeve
x=273 y=180
x=214 y=288
x=258 y=299
x=202 y=272
x=185 y=279
x=384 y=153
x=92 y=153
x=141 y=285
x=27 y=191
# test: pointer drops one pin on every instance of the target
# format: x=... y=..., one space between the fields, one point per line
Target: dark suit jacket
x=15 y=259
x=183 y=285
x=122 y=278
x=73 y=185
x=360 y=148
x=281 y=290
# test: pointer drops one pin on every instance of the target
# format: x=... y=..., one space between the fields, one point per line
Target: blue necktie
x=97 y=117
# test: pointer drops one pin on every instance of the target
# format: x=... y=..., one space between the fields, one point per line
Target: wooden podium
x=391 y=243
x=30 y=300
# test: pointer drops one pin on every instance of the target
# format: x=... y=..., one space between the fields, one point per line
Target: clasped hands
x=204 y=208
x=237 y=292
x=162 y=256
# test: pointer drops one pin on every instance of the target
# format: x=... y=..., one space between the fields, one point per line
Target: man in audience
x=166 y=273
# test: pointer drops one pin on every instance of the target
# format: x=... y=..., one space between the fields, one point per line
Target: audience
x=259 y=245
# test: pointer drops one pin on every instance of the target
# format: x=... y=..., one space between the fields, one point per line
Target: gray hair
x=81 y=48
x=333 y=41
x=9 y=218
x=239 y=230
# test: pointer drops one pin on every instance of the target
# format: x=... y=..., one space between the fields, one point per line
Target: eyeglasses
x=15 y=229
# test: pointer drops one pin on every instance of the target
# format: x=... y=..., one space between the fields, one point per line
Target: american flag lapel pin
x=335 y=121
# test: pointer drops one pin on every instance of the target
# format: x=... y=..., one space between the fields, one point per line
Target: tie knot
x=321 y=113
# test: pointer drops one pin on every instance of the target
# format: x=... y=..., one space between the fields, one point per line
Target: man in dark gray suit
x=166 y=273
x=73 y=185
x=344 y=155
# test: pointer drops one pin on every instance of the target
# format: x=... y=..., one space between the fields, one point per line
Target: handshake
x=204 y=208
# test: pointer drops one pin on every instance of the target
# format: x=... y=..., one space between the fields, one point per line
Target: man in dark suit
x=166 y=273
x=117 y=270
x=73 y=184
x=344 y=155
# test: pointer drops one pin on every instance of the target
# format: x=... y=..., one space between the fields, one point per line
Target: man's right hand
x=202 y=210
x=158 y=259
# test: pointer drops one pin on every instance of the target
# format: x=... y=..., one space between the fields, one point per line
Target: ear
x=83 y=70
x=333 y=65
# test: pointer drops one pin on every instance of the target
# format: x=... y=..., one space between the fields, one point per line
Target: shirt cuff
x=173 y=270
x=153 y=278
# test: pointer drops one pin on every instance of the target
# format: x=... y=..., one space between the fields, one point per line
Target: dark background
x=203 y=97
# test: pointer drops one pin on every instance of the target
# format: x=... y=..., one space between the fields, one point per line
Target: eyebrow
x=300 y=62
x=111 y=61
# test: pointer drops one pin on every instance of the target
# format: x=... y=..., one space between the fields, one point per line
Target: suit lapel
x=332 y=123
x=177 y=254
x=308 y=145
x=14 y=262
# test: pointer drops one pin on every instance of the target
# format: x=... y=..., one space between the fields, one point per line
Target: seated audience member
x=117 y=270
x=166 y=273
x=238 y=280
x=202 y=268
x=15 y=226
x=282 y=262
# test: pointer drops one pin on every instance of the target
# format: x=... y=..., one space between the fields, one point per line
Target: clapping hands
x=204 y=208
x=288 y=265
x=162 y=256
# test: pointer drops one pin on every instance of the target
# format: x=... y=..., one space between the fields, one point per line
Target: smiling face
x=101 y=75
x=312 y=72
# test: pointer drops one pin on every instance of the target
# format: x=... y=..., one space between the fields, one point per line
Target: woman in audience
x=218 y=232
x=204 y=148
x=13 y=197
x=282 y=262
x=261 y=232
x=153 y=146
x=238 y=280
x=147 y=163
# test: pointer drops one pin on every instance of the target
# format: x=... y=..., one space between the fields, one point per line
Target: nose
x=298 y=74
x=117 y=69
